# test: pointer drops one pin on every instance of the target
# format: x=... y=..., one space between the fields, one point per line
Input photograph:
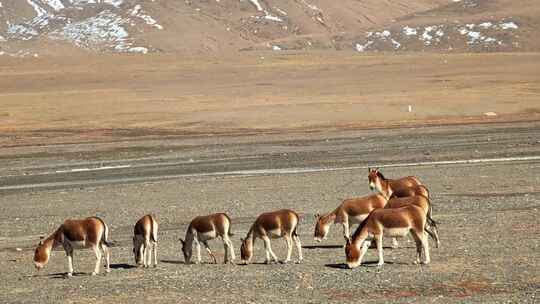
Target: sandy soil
x=489 y=247
x=48 y=100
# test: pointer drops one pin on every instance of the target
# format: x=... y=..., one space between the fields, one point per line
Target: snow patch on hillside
x=257 y=5
x=508 y=26
x=486 y=34
x=115 y=3
x=55 y=4
x=138 y=12
x=106 y=29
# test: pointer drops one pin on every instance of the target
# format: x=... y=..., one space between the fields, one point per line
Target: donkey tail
x=154 y=231
x=105 y=235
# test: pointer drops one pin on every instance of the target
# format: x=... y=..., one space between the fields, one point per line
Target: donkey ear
x=242 y=240
x=347 y=239
x=182 y=241
x=317 y=215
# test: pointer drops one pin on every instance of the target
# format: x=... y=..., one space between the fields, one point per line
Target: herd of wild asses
x=399 y=207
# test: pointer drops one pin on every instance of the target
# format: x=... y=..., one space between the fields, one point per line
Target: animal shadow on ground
x=172 y=262
x=268 y=264
x=122 y=266
x=322 y=246
x=63 y=275
x=337 y=266
x=374 y=263
x=364 y=264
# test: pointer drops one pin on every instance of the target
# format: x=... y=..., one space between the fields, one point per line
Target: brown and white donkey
x=145 y=241
x=350 y=211
x=91 y=232
x=393 y=222
x=424 y=203
x=278 y=224
x=204 y=228
x=402 y=187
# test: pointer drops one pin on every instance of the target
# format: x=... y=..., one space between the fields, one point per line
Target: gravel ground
x=489 y=232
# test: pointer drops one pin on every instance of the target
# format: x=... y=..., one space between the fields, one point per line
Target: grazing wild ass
x=351 y=211
x=391 y=223
x=402 y=188
x=390 y=187
x=424 y=203
x=277 y=224
x=90 y=232
x=204 y=228
x=145 y=241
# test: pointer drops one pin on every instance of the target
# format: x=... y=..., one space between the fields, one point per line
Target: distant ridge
x=46 y=27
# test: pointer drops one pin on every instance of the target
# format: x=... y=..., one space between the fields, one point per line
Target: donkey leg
x=434 y=234
x=154 y=247
x=296 y=240
x=268 y=248
x=230 y=248
x=425 y=247
x=418 y=243
x=289 y=248
x=365 y=246
x=69 y=254
x=205 y=243
x=346 y=229
x=198 y=246
x=225 y=252
x=97 y=251
x=106 y=252
x=147 y=253
x=378 y=241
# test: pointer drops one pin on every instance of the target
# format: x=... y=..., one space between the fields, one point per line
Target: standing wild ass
x=145 y=240
x=394 y=222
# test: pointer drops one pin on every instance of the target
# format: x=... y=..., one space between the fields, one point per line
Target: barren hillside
x=57 y=27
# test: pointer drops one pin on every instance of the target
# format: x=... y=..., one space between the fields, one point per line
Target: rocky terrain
x=488 y=213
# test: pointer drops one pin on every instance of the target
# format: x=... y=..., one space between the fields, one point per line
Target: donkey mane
x=380 y=175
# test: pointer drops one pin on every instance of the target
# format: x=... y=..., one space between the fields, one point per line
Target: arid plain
x=177 y=136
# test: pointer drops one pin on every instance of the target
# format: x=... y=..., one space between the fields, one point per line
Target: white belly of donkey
x=395 y=232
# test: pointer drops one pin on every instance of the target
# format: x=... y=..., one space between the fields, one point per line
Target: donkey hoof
x=108 y=270
x=93 y=273
x=69 y=274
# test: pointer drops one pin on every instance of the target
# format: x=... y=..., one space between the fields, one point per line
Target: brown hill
x=46 y=27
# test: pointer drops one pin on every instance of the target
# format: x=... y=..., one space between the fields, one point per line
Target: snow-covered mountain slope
x=42 y=27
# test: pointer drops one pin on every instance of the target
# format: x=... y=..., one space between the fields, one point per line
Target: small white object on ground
x=490 y=114
x=410 y=109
